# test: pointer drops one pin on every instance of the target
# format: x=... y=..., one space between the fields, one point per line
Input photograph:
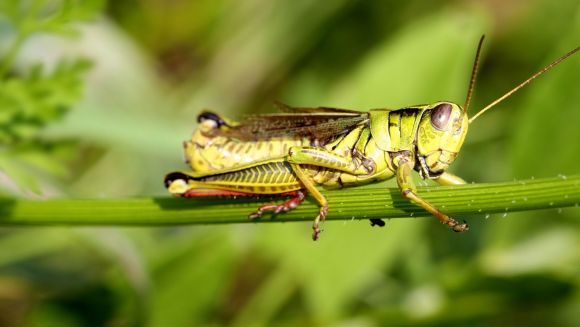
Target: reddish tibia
x=292 y=203
x=298 y=197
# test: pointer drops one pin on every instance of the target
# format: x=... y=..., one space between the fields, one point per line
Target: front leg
x=409 y=191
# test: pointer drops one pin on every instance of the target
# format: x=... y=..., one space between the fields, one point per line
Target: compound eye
x=440 y=116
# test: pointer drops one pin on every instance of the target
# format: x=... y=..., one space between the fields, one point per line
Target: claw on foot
x=456 y=226
x=315 y=233
x=320 y=218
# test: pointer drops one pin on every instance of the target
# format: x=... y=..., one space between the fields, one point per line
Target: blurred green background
x=96 y=98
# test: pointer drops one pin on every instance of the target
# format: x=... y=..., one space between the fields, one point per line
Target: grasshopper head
x=440 y=134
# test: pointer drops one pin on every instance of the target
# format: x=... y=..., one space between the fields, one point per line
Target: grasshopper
x=290 y=153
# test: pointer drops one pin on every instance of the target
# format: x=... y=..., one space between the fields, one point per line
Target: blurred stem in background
x=10 y=54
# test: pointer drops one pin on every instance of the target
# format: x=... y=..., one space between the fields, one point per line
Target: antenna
x=524 y=83
x=473 y=74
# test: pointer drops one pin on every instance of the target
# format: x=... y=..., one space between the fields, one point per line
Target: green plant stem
x=10 y=55
x=351 y=203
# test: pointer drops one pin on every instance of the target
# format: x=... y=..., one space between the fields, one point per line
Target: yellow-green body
x=380 y=145
x=258 y=166
x=284 y=154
